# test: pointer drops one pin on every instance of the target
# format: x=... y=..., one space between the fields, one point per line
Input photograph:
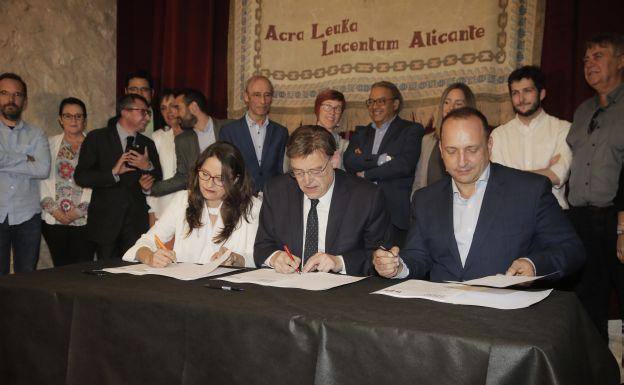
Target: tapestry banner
x=304 y=47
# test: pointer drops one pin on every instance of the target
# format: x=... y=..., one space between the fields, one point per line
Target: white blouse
x=165 y=145
x=198 y=246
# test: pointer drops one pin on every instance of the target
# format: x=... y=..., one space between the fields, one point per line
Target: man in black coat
x=112 y=162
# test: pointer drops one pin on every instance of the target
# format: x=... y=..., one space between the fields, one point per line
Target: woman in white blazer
x=165 y=145
x=64 y=203
x=218 y=214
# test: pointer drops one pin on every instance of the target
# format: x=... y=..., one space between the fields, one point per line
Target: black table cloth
x=61 y=326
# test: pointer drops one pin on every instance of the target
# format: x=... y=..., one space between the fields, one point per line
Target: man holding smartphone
x=112 y=161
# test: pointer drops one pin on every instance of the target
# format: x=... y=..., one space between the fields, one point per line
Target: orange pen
x=161 y=245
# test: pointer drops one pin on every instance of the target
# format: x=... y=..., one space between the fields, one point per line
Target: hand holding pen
x=284 y=262
x=162 y=256
x=386 y=261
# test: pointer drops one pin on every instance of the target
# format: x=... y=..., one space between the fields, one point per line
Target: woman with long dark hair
x=218 y=214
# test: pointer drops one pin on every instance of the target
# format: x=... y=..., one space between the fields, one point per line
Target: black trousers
x=129 y=233
x=67 y=244
x=602 y=271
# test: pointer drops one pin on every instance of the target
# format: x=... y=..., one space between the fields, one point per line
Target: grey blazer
x=187 y=152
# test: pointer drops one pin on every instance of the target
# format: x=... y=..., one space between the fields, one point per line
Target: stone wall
x=61 y=48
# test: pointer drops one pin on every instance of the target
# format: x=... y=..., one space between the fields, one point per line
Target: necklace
x=214 y=210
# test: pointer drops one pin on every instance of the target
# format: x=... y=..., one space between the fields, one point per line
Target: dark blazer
x=358 y=221
x=402 y=142
x=114 y=205
x=187 y=153
x=519 y=218
x=273 y=149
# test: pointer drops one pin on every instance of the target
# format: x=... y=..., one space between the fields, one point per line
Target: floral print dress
x=68 y=193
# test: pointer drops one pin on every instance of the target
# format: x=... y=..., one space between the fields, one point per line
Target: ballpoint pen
x=382 y=247
x=226 y=288
x=162 y=246
x=287 y=250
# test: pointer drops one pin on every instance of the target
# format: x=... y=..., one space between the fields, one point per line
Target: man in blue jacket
x=484 y=219
x=261 y=141
x=386 y=153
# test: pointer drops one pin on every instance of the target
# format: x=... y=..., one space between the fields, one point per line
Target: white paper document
x=306 y=281
x=499 y=280
x=465 y=295
x=182 y=270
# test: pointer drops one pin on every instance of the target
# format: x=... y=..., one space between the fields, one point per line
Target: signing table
x=61 y=326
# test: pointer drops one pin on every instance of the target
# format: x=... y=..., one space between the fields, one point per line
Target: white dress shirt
x=198 y=246
x=531 y=147
x=165 y=145
x=322 y=212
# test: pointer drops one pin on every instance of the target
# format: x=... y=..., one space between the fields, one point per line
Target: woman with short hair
x=64 y=203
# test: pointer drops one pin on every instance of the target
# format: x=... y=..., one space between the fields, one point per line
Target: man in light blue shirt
x=484 y=219
x=24 y=158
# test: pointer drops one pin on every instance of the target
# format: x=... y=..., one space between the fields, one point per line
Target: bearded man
x=533 y=140
x=24 y=159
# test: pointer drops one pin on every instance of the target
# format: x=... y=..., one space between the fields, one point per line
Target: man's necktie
x=311 y=237
x=129 y=143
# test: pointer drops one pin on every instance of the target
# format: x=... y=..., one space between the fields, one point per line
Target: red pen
x=287 y=250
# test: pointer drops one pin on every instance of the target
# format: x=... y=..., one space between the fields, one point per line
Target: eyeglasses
x=16 y=95
x=299 y=174
x=76 y=117
x=377 y=102
x=144 y=111
x=330 y=108
x=593 y=123
x=206 y=177
x=136 y=90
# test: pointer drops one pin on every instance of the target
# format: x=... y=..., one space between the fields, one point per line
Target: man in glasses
x=386 y=152
x=260 y=140
x=319 y=218
x=597 y=141
x=140 y=82
x=24 y=158
x=112 y=161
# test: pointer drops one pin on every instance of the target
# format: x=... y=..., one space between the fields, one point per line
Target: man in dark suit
x=485 y=219
x=200 y=131
x=386 y=152
x=330 y=220
x=112 y=160
x=260 y=140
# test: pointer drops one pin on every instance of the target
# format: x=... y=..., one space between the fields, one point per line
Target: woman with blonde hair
x=430 y=167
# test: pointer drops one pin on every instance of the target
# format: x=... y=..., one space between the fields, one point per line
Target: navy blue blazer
x=402 y=142
x=237 y=133
x=519 y=218
x=357 y=224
